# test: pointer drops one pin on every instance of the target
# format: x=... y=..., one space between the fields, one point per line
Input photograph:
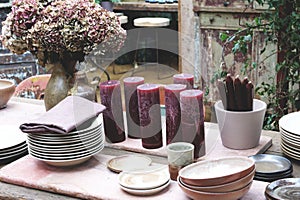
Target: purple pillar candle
x=150 y=117
x=131 y=102
x=186 y=79
x=192 y=120
x=173 y=114
x=110 y=94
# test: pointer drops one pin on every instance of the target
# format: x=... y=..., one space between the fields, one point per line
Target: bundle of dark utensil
x=236 y=94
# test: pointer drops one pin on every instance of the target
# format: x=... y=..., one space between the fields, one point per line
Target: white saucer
x=145 y=192
x=144 y=179
x=128 y=163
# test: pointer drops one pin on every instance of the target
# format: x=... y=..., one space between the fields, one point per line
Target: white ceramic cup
x=180 y=154
x=241 y=129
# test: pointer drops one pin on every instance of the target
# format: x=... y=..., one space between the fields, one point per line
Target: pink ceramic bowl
x=216 y=172
x=35 y=84
x=7 y=89
x=227 y=187
x=232 y=195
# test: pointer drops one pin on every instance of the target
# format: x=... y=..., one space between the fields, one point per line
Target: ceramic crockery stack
x=68 y=149
x=147 y=181
x=223 y=178
x=271 y=167
x=12 y=144
x=290 y=135
x=68 y=134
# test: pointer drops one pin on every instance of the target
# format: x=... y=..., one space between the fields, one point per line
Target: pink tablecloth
x=90 y=180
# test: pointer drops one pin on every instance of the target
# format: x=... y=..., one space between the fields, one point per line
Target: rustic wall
x=201 y=21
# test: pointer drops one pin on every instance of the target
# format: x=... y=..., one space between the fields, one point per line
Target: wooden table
x=10 y=191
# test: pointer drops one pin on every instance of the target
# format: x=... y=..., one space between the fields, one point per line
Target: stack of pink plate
x=224 y=178
x=290 y=135
x=68 y=149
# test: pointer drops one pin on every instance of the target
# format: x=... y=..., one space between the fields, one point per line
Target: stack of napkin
x=63 y=118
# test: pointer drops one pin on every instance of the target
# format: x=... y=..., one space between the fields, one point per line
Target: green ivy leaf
x=247 y=38
x=236 y=47
x=223 y=36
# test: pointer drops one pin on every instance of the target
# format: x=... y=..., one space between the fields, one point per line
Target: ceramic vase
x=61 y=80
x=241 y=129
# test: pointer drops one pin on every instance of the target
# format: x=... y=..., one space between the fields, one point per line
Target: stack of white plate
x=68 y=149
x=147 y=181
x=290 y=135
x=12 y=144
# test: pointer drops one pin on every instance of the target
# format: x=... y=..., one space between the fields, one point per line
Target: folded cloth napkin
x=64 y=117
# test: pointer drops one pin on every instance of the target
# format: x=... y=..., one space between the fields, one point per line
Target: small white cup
x=241 y=129
x=180 y=154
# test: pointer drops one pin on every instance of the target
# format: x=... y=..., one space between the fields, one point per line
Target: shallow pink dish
x=35 y=84
x=217 y=171
x=227 y=187
x=232 y=195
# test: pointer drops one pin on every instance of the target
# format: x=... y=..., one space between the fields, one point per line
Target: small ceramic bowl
x=227 y=187
x=217 y=171
x=7 y=89
x=194 y=194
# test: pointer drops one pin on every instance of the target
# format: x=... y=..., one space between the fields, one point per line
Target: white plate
x=67 y=153
x=290 y=135
x=63 y=145
x=147 y=178
x=128 y=163
x=64 y=158
x=3 y=158
x=68 y=163
x=290 y=142
x=14 y=148
x=63 y=150
x=24 y=148
x=290 y=148
x=67 y=136
x=10 y=136
x=287 y=151
x=290 y=122
x=64 y=141
x=146 y=191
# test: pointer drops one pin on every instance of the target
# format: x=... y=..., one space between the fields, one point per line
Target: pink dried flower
x=60 y=27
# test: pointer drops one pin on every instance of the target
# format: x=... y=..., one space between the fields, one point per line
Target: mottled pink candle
x=110 y=93
x=192 y=120
x=131 y=102
x=173 y=114
x=150 y=116
x=185 y=79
